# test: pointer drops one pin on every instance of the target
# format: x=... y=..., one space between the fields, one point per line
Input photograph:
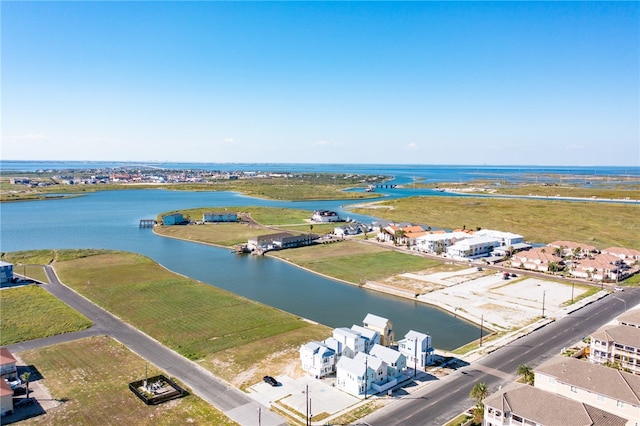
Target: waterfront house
x=417 y=348
x=351 y=342
x=383 y=326
x=438 y=242
x=173 y=219
x=6 y=272
x=474 y=247
x=325 y=216
x=219 y=217
x=370 y=337
x=317 y=359
x=605 y=388
x=8 y=369
x=519 y=404
x=279 y=241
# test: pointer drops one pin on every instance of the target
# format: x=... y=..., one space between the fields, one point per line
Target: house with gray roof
x=318 y=360
x=417 y=348
x=521 y=404
x=395 y=361
x=630 y=318
x=619 y=344
x=362 y=375
x=608 y=389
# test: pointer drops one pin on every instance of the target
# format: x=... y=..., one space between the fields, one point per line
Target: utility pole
x=366 y=373
x=259 y=416
x=306 y=419
x=543 y=296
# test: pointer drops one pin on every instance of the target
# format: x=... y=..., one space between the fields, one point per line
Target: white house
x=361 y=375
x=417 y=349
x=317 y=359
x=394 y=360
x=437 y=242
x=473 y=247
x=351 y=342
x=325 y=216
x=506 y=239
x=371 y=337
x=383 y=326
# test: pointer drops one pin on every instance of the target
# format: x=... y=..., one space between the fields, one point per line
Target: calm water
x=109 y=219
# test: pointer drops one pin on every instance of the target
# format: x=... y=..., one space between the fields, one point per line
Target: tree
x=527 y=373
x=479 y=392
x=25 y=378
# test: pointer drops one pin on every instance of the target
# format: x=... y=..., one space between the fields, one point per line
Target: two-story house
x=417 y=349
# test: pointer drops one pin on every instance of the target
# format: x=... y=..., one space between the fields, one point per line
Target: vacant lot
x=91 y=376
x=600 y=224
x=31 y=313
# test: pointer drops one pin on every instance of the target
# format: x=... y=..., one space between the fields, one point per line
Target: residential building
x=506 y=239
x=383 y=326
x=417 y=349
x=6 y=272
x=219 y=217
x=8 y=369
x=279 y=241
x=628 y=256
x=317 y=359
x=619 y=344
x=537 y=259
x=351 y=342
x=438 y=242
x=6 y=399
x=395 y=361
x=371 y=337
x=630 y=318
x=362 y=375
x=608 y=389
x=601 y=267
x=473 y=247
x=325 y=216
x=173 y=219
x=520 y=404
x=571 y=248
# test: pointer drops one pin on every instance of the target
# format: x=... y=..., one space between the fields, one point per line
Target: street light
x=625 y=303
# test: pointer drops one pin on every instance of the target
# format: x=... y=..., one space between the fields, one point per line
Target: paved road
x=235 y=404
x=443 y=400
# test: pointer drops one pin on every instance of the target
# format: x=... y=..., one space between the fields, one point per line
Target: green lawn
x=30 y=312
x=91 y=377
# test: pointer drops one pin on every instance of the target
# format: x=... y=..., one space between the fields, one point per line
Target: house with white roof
x=371 y=337
x=361 y=375
x=351 y=342
x=605 y=388
x=438 y=242
x=473 y=247
x=317 y=359
x=395 y=361
x=383 y=326
x=506 y=239
x=417 y=349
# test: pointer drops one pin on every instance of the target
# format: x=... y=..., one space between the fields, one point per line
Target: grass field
x=600 y=224
x=31 y=313
x=91 y=377
x=193 y=318
x=354 y=261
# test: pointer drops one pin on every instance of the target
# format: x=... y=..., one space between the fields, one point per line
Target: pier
x=147 y=223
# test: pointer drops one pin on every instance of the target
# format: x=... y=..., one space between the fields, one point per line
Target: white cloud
x=225 y=141
x=412 y=147
x=574 y=147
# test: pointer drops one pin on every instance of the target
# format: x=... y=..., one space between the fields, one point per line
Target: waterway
x=109 y=220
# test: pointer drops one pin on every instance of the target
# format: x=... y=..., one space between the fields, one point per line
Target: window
x=574 y=389
x=620 y=404
x=600 y=398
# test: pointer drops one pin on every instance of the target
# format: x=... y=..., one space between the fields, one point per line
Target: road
x=439 y=402
x=232 y=402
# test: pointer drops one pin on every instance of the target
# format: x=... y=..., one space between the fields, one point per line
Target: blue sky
x=541 y=83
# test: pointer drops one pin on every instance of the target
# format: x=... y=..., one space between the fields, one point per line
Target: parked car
x=24 y=402
x=13 y=383
x=618 y=288
x=270 y=380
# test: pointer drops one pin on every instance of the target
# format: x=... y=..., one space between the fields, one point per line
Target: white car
x=618 y=288
x=13 y=383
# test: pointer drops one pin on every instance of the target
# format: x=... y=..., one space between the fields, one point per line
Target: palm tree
x=479 y=392
x=527 y=373
x=25 y=378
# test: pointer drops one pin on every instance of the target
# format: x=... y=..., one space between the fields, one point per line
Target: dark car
x=270 y=380
x=24 y=402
